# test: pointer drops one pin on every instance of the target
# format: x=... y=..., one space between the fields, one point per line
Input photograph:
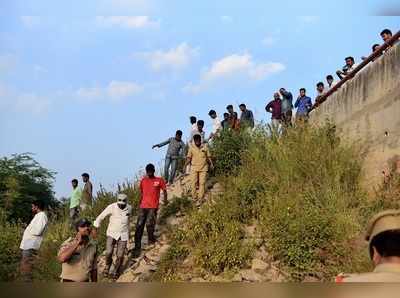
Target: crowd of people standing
x=78 y=254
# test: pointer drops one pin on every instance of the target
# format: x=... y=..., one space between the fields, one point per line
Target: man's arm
x=268 y=107
x=309 y=104
x=296 y=104
x=67 y=251
x=162 y=144
x=106 y=212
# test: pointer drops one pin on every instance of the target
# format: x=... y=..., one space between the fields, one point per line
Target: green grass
x=304 y=191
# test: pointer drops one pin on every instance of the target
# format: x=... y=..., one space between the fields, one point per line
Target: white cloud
x=24 y=102
x=172 y=59
x=309 y=19
x=115 y=91
x=227 y=19
x=127 y=22
x=30 y=21
x=233 y=67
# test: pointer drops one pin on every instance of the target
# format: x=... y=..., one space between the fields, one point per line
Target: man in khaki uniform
x=87 y=192
x=199 y=158
x=383 y=235
x=79 y=255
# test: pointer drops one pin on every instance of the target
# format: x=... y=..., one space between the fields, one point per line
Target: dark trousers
x=148 y=217
x=287 y=118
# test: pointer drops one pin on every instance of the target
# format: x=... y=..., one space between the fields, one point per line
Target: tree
x=23 y=180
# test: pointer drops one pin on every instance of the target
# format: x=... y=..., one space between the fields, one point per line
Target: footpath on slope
x=262 y=269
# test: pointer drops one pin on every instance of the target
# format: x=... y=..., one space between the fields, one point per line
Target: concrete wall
x=367 y=109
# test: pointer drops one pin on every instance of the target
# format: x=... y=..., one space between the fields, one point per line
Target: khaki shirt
x=87 y=193
x=81 y=263
x=382 y=273
x=199 y=157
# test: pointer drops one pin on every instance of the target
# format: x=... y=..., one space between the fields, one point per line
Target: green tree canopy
x=23 y=180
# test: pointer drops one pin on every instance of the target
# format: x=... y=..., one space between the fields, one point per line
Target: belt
x=69 y=280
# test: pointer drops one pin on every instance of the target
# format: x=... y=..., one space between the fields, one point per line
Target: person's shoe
x=136 y=253
x=115 y=276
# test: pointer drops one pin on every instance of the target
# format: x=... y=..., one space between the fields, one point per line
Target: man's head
x=150 y=170
x=230 y=109
x=349 y=61
x=197 y=140
x=302 y=92
x=383 y=234
x=226 y=116
x=235 y=115
x=329 y=79
x=200 y=125
x=37 y=206
x=375 y=47
x=193 y=120
x=282 y=91
x=122 y=200
x=74 y=183
x=178 y=135
x=85 y=177
x=386 y=35
x=212 y=114
x=84 y=227
x=320 y=87
x=242 y=107
x=277 y=96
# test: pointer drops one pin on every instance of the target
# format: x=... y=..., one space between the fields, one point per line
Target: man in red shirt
x=150 y=188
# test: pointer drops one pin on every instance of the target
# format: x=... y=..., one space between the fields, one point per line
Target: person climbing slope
x=175 y=151
x=150 y=187
x=117 y=232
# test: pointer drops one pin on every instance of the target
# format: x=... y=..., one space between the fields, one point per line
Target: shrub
x=10 y=238
x=175 y=206
x=227 y=150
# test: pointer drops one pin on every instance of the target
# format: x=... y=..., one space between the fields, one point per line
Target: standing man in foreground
x=32 y=239
x=286 y=106
x=74 y=203
x=274 y=107
x=246 y=117
x=175 y=151
x=383 y=235
x=216 y=124
x=78 y=255
x=303 y=105
x=200 y=159
x=87 y=193
x=150 y=188
x=117 y=232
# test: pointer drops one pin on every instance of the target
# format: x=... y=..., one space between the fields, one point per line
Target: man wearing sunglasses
x=117 y=232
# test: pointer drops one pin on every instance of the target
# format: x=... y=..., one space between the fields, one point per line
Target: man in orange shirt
x=150 y=187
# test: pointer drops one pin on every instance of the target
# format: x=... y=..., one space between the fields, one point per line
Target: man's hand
x=78 y=238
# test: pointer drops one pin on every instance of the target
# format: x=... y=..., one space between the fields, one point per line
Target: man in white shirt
x=117 y=231
x=32 y=239
x=348 y=68
x=216 y=124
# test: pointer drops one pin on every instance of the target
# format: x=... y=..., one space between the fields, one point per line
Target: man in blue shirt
x=303 y=105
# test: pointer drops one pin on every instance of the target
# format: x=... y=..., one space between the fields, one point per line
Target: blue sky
x=91 y=85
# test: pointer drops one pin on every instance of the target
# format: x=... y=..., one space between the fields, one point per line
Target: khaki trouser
x=198 y=178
